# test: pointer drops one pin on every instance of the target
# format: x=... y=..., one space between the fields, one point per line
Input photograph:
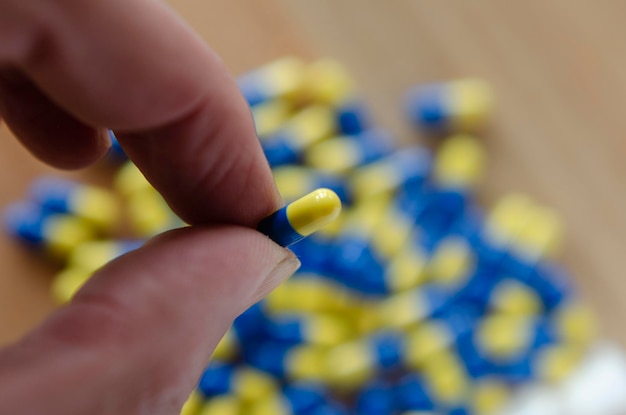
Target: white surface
x=596 y=387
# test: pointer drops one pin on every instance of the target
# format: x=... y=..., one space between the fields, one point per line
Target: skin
x=136 y=337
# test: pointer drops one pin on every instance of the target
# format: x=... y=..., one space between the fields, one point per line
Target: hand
x=136 y=337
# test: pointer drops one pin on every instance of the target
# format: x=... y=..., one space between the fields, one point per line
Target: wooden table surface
x=558 y=134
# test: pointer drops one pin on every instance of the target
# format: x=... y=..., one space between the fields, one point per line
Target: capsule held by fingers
x=302 y=217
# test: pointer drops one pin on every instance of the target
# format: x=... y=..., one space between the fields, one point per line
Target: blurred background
x=557 y=133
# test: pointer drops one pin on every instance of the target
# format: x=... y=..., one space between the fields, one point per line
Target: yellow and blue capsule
x=246 y=383
x=56 y=234
x=286 y=361
x=305 y=128
x=96 y=205
x=316 y=329
x=351 y=365
x=342 y=154
x=460 y=163
x=302 y=217
x=410 y=307
x=463 y=105
x=408 y=167
x=282 y=78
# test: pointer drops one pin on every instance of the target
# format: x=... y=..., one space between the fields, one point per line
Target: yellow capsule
x=227 y=348
x=515 y=298
x=130 y=180
x=283 y=77
x=392 y=232
x=407 y=269
x=403 y=309
x=543 y=234
x=452 y=262
x=271 y=405
x=67 y=283
x=328 y=82
x=64 y=233
x=508 y=217
x=350 y=365
x=460 y=162
x=327 y=330
x=504 y=337
x=149 y=213
x=250 y=385
x=489 y=396
x=471 y=103
x=307 y=363
x=576 y=324
x=270 y=116
x=308 y=294
x=425 y=341
x=193 y=404
x=555 y=362
x=222 y=405
x=446 y=378
x=311 y=125
x=335 y=155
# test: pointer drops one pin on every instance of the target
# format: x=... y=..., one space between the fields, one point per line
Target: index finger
x=135 y=67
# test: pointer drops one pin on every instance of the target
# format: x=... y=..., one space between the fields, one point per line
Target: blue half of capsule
x=216 y=379
x=411 y=394
x=375 y=398
x=426 y=106
x=305 y=397
x=353 y=117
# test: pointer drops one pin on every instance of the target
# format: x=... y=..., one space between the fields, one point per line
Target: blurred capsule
x=52 y=233
x=228 y=347
x=222 y=405
x=353 y=117
x=67 y=282
x=317 y=329
x=412 y=396
x=350 y=365
x=295 y=181
x=129 y=180
x=96 y=205
x=245 y=383
x=425 y=341
x=193 y=404
x=489 y=396
x=308 y=294
x=375 y=398
x=149 y=213
x=460 y=162
x=83 y=261
x=452 y=263
x=446 y=379
x=407 y=268
x=407 y=167
x=327 y=81
x=269 y=116
x=410 y=307
x=575 y=324
x=513 y=297
x=94 y=254
x=458 y=106
x=307 y=127
x=299 y=363
x=555 y=362
x=279 y=79
x=341 y=154
x=505 y=337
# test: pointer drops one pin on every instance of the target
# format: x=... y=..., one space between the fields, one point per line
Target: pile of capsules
x=415 y=301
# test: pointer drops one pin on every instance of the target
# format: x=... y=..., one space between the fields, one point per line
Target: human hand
x=136 y=337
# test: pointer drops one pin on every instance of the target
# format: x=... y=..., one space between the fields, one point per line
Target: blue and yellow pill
x=302 y=217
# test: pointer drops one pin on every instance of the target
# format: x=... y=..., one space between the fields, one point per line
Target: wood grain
x=558 y=69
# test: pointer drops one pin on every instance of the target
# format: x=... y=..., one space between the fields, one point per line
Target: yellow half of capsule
x=313 y=211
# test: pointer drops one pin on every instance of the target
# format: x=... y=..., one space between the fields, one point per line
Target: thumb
x=127 y=343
